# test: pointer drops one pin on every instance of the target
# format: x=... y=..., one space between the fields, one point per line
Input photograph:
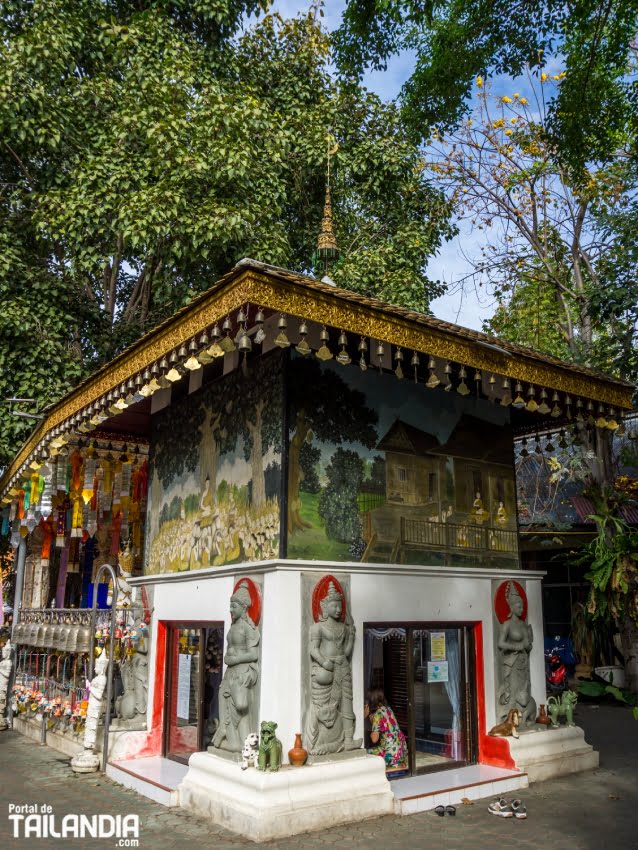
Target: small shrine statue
x=6 y=666
x=331 y=719
x=501 y=515
x=237 y=714
x=479 y=514
x=515 y=641
x=125 y=561
x=88 y=761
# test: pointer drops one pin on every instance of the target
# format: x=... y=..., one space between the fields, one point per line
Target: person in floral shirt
x=387 y=739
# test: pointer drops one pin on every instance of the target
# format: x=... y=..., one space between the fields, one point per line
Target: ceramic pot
x=297 y=756
x=543 y=717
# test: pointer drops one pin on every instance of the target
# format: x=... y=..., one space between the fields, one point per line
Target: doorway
x=426 y=671
x=193 y=676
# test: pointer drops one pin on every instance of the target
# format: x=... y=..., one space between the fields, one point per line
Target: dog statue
x=562 y=706
x=509 y=727
x=270 y=748
x=250 y=751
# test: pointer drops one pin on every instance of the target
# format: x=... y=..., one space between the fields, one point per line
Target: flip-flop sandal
x=450 y=810
x=501 y=808
x=440 y=810
x=518 y=808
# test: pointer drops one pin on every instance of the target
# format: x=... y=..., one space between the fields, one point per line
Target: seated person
x=387 y=739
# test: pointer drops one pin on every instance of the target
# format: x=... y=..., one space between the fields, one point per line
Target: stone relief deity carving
x=237 y=699
x=331 y=720
x=130 y=707
x=515 y=640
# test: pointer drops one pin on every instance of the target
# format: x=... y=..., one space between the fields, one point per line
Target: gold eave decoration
x=297 y=296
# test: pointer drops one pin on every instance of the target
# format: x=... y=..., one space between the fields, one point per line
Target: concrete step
x=450 y=787
x=154 y=777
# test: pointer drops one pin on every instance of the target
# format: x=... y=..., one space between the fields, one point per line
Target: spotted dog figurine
x=250 y=751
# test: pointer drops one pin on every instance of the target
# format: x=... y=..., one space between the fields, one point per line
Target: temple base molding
x=544 y=754
x=263 y=806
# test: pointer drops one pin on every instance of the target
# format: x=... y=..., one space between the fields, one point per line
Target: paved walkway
x=593 y=811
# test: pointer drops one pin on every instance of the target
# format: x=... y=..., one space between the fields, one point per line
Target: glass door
x=193 y=676
x=426 y=675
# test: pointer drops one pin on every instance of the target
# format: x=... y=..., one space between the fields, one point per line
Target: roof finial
x=327 y=243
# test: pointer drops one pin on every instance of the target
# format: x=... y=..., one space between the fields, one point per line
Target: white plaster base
x=263 y=805
x=69 y=744
x=546 y=753
x=122 y=743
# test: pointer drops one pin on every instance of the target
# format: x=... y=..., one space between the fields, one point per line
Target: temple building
x=307 y=493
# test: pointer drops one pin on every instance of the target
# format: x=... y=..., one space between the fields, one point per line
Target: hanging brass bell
x=343 y=357
x=281 y=339
x=40 y=632
x=71 y=636
x=519 y=401
x=244 y=345
x=85 y=637
x=324 y=352
x=433 y=380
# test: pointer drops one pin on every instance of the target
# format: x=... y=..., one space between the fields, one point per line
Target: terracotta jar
x=297 y=756
x=543 y=717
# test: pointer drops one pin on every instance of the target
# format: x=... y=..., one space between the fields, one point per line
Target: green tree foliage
x=322 y=404
x=455 y=40
x=338 y=501
x=309 y=457
x=377 y=474
x=549 y=242
x=145 y=147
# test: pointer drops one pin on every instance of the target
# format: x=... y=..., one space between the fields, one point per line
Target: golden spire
x=327 y=243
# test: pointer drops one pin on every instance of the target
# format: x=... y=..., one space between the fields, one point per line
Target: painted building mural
x=215 y=473
x=382 y=470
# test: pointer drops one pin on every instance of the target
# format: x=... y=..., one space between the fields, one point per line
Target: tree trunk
x=295 y=521
x=209 y=451
x=629 y=638
x=256 y=457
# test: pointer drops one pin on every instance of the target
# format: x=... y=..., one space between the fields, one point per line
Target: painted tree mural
x=338 y=502
x=322 y=405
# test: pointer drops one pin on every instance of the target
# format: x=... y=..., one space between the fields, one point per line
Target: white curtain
x=453 y=686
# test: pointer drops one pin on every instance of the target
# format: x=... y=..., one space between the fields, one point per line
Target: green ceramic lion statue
x=270 y=748
x=562 y=706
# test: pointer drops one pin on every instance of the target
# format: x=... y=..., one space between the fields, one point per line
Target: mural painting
x=386 y=471
x=215 y=473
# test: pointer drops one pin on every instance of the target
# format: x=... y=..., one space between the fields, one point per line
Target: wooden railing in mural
x=447 y=535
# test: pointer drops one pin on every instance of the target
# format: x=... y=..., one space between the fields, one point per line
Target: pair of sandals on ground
x=503 y=808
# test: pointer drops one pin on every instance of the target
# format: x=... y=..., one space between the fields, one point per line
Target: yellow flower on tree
x=543 y=77
x=506 y=99
x=479 y=81
x=523 y=100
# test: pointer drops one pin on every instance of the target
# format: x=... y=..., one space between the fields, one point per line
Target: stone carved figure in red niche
x=515 y=641
x=237 y=699
x=331 y=720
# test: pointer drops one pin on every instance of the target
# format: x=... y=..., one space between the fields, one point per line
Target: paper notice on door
x=437 y=671
x=183 y=685
x=437 y=646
